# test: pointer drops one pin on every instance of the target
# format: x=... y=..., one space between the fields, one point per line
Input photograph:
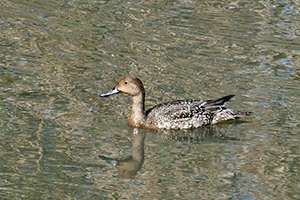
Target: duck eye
x=125 y=83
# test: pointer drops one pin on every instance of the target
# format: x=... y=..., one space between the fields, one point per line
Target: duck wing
x=176 y=109
x=180 y=114
x=187 y=108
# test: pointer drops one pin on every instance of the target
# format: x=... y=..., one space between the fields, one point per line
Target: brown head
x=128 y=85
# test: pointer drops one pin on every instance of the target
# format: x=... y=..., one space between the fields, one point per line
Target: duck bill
x=111 y=92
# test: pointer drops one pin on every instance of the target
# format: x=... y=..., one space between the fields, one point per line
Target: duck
x=178 y=114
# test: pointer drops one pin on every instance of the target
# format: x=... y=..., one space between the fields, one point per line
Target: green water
x=61 y=141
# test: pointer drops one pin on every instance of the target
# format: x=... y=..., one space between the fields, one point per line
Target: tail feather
x=221 y=113
x=226 y=114
x=238 y=114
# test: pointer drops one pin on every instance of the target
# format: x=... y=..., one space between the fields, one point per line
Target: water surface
x=60 y=140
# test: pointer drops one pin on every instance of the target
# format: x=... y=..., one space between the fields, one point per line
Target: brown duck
x=180 y=114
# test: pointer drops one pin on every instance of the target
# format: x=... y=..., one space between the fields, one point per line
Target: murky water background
x=59 y=140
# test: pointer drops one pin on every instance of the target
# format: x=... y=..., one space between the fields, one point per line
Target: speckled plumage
x=180 y=114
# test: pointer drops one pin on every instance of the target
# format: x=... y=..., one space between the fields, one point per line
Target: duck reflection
x=128 y=168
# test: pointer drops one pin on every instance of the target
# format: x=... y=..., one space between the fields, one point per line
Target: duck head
x=128 y=85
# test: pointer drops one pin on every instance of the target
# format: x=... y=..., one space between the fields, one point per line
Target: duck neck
x=137 y=114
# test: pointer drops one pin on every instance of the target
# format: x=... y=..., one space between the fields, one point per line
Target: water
x=60 y=140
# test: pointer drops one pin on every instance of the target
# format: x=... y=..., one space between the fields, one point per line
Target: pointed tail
x=228 y=114
x=238 y=114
